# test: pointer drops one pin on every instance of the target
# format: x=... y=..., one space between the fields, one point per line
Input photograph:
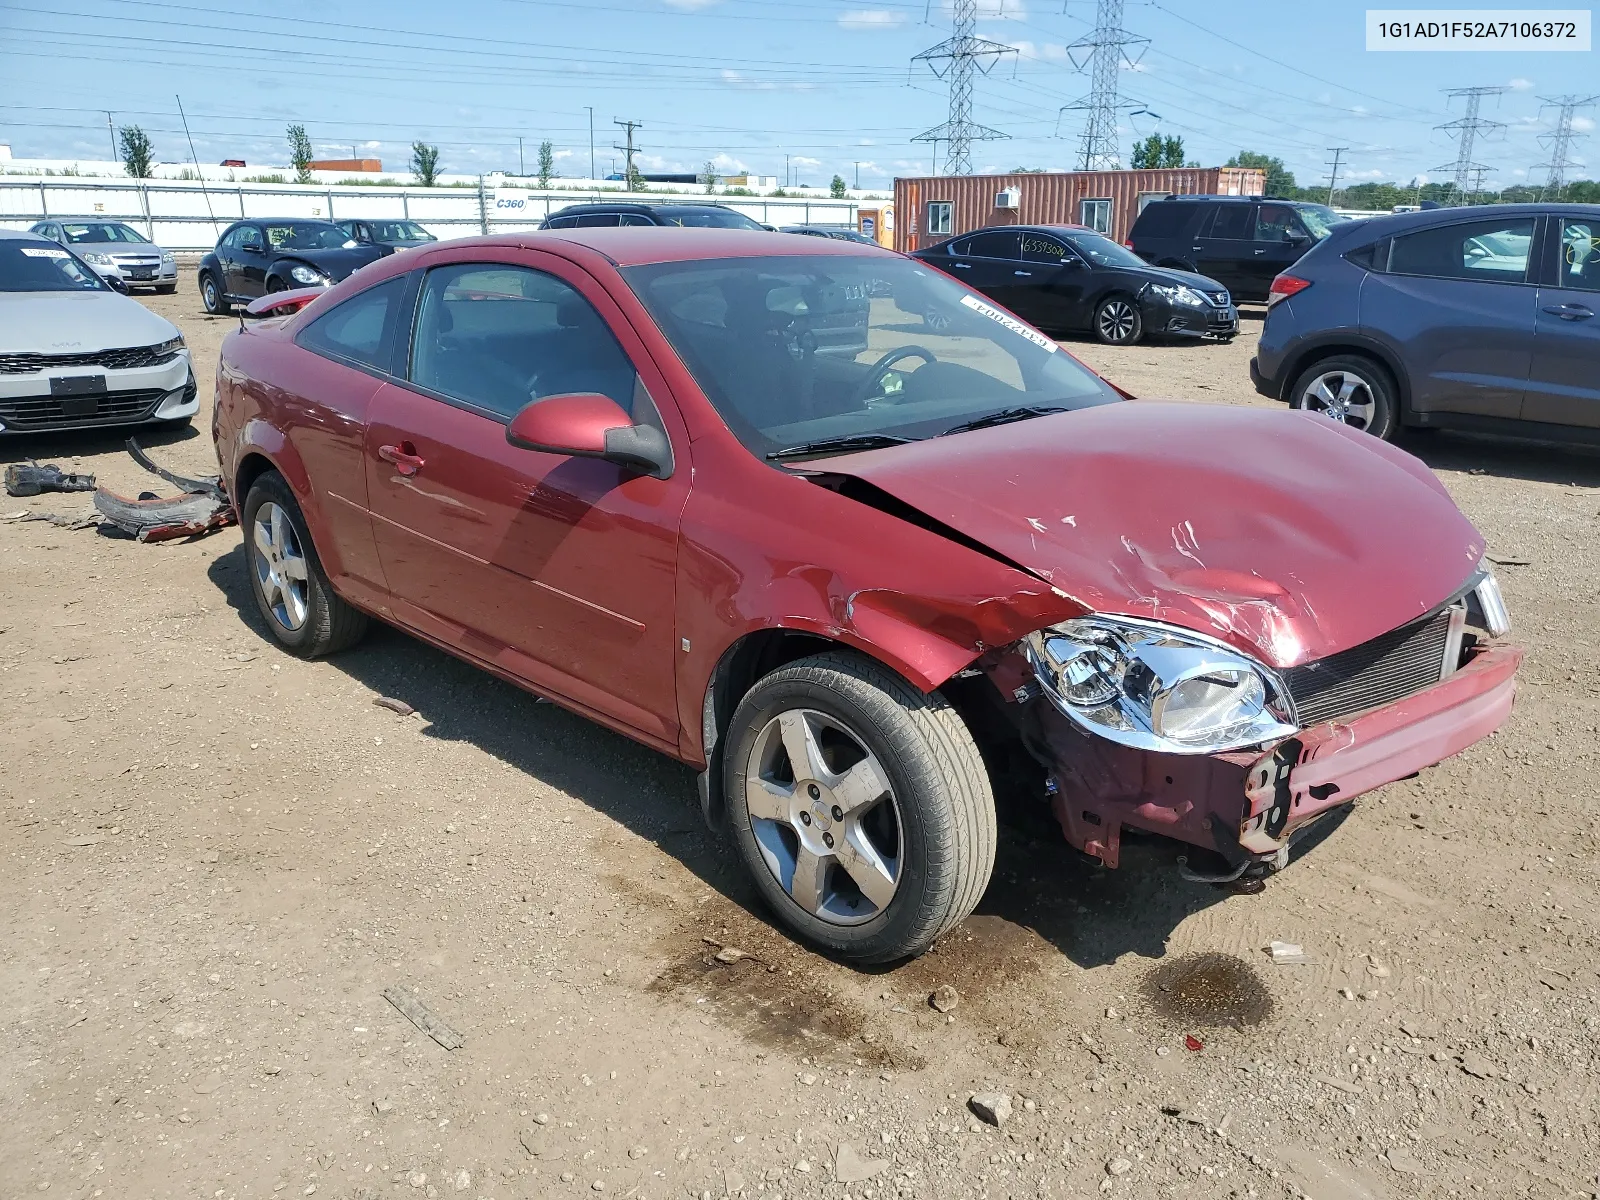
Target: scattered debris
x=1376 y=969
x=393 y=705
x=382 y=1106
x=90 y=840
x=1509 y=562
x=1118 y=1166
x=203 y=506
x=1417 y=1027
x=993 y=1108
x=1287 y=953
x=1347 y=993
x=730 y=955
x=1476 y=1065
x=419 y=1014
x=1193 y=1043
x=849 y=1166
x=30 y=479
x=1404 y=1163
x=1338 y=1085
x=945 y=998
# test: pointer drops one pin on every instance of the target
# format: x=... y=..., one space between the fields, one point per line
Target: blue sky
x=829 y=83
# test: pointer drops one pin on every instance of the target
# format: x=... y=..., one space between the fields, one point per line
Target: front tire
x=1351 y=389
x=300 y=607
x=860 y=806
x=212 y=296
x=1118 y=322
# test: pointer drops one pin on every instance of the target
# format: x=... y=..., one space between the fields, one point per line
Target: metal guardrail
x=190 y=216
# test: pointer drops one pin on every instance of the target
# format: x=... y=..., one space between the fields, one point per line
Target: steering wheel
x=881 y=368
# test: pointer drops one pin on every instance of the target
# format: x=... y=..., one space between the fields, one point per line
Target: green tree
x=1156 y=151
x=299 y=153
x=425 y=163
x=837 y=188
x=708 y=177
x=137 y=151
x=547 y=163
x=1172 y=152
x=1280 y=180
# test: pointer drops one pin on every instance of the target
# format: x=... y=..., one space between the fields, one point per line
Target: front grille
x=1220 y=299
x=115 y=360
x=1381 y=671
x=36 y=412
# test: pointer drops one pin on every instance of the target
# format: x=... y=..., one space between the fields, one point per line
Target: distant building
x=936 y=207
x=373 y=165
x=233 y=162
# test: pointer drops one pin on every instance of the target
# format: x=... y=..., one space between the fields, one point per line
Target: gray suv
x=1479 y=318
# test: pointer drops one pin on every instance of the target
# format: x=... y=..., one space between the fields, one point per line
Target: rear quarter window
x=1162 y=219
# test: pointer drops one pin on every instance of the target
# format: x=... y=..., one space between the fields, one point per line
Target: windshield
x=1320 y=219
x=1102 y=251
x=709 y=217
x=799 y=349
x=399 y=231
x=102 y=233
x=42 y=267
x=310 y=236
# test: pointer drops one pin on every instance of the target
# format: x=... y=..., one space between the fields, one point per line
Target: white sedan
x=75 y=353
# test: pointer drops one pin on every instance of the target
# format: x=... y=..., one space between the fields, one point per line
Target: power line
x=957 y=57
x=1467 y=129
x=1560 y=142
x=1104 y=49
x=1333 y=171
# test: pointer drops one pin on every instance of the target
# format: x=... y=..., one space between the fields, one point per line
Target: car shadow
x=1093 y=916
x=46 y=447
x=1509 y=458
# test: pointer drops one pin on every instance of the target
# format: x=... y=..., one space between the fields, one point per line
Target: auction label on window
x=1011 y=323
x=1478 y=29
x=40 y=252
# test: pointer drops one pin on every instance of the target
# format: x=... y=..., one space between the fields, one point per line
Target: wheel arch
x=1306 y=356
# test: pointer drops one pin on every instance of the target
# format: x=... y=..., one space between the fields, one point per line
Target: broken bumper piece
x=203 y=506
x=1247 y=805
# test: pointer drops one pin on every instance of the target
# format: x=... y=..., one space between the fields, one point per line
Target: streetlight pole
x=858 y=176
x=521 y=167
x=590 y=107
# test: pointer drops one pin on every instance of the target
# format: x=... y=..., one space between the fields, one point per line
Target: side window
x=354 y=331
x=633 y=219
x=1496 y=251
x=999 y=244
x=1232 y=223
x=941 y=218
x=958 y=248
x=1580 y=255
x=1274 y=223
x=1040 y=249
x=561 y=222
x=1096 y=214
x=230 y=240
x=496 y=337
x=591 y=220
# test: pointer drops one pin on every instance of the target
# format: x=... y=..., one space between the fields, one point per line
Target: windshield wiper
x=1004 y=417
x=852 y=441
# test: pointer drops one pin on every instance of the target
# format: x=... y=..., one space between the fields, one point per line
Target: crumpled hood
x=1169 y=275
x=339 y=262
x=1283 y=533
x=77 y=323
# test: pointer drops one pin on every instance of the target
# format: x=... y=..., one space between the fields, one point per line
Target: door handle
x=1570 y=312
x=962 y=266
x=404 y=457
x=1029 y=274
x=1262 y=250
x=1196 y=249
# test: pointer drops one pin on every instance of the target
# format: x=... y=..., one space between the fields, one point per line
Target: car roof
x=639 y=245
x=1390 y=223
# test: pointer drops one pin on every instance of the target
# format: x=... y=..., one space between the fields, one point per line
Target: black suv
x=696 y=216
x=1242 y=242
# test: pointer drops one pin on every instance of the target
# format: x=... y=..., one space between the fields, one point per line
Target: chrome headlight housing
x=168 y=349
x=99 y=260
x=1156 y=687
x=1178 y=294
x=306 y=275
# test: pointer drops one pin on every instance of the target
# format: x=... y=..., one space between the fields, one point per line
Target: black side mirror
x=1297 y=235
x=115 y=283
x=253 y=246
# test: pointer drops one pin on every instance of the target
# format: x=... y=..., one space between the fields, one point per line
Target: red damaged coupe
x=864 y=549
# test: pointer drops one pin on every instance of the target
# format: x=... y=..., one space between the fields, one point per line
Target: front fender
x=258 y=438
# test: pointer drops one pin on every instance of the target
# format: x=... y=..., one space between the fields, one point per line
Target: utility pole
x=787 y=174
x=590 y=107
x=1333 y=173
x=1477 y=183
x=958 y=56
x=630 y=174
x=1467 y=131
x=113 y=130
x=1560 y=142
x=858 y=176
x=1103 y=51
x=521 y=167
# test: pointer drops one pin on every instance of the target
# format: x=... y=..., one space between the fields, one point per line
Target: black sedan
x=253 y=258
x=391 y=235
x=1065 y=278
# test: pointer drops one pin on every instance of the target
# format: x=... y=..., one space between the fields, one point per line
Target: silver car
x=113 y=248
x=75 y=353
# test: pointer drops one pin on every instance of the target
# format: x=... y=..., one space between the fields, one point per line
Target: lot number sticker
x=36 y=252
x=1011 y=323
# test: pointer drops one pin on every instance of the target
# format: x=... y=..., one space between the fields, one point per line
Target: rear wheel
x=860 y=806
x=1117 y=321
x=300 y=607
x=1351 y=389
x=211 y=295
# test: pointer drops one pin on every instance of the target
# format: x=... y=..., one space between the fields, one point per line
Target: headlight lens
x=306 y=275
x=1156 y=687
x=166 y=258
x=168 y=348
x=1178 y=294
x=99 y=260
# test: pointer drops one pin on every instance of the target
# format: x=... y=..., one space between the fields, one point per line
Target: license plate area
x=77 y=385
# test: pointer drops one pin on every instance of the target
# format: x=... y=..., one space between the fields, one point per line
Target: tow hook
x=1247 y=880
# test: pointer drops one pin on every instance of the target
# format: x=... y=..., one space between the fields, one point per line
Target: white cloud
x=1519 y=171
x=800 y=160
x=738 y=79
x=1045 y=51
x=871 y=18
x=1521 y=85
x=560 y=154
x=1135 y=66
x=1583 y=124
x=726 y=164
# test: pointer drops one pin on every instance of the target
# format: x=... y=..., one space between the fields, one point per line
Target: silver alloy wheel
x=824 y=816
x=209 y=295
x=280 y=566
x=1343 y=396
x=1117 y=320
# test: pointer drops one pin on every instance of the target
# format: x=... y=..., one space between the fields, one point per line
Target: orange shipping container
x=933 y=208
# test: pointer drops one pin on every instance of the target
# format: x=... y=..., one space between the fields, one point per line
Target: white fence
x=187 y=216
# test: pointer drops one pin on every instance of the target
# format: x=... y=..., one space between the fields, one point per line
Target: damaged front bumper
x=1247 y=805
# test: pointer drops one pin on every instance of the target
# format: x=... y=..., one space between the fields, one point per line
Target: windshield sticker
x=1011 y=323
x=39 y=252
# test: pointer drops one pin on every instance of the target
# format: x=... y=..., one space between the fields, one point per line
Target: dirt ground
x=217 y=857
